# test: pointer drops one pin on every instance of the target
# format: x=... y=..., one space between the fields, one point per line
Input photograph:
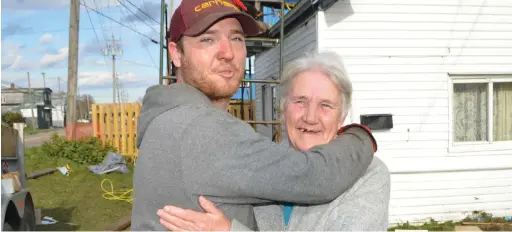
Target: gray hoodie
x=188 y=147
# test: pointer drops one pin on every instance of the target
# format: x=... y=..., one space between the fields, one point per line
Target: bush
x=10 y=118
x=86 y=150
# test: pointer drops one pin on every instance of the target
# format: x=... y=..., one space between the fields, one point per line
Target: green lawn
x=75 y=201
x=33 y=131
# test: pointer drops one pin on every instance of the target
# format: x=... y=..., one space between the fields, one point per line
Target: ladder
x=254 y=45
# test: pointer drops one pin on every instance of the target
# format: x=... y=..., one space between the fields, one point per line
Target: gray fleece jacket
x=364 y=207
x=188 y=147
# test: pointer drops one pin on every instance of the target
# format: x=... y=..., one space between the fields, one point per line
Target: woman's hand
x=178 y=219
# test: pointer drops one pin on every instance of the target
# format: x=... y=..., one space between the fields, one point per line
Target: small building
x=35 y=101
x=58 y=111
x=438 y=74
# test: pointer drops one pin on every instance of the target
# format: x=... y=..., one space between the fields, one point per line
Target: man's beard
x=214 y=91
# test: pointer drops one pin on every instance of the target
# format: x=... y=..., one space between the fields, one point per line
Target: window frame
x=475 y=146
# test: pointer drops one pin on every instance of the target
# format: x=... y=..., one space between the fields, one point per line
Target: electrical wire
x=110 y=194
x=152 y=40
x=142 y=11
x=137 y=16
x=143 y=42
x=96 y=35
x=101 y=23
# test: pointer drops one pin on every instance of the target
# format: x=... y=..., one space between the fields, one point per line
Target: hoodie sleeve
x=239 y=166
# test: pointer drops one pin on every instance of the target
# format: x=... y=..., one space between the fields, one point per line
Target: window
x=482 y=109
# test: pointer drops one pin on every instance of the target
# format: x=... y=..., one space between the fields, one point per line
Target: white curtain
x=502 y=97
x=470 y=112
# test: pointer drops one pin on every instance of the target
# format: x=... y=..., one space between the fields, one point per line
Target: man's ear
x=175 y=54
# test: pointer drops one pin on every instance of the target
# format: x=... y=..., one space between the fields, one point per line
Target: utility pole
x=44 y=80
x=74 y=18
x=113 y=49
x=161 y=68
x=31 y=100
x=168 y=15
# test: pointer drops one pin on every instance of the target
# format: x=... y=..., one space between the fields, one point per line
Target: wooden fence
x=235 y=109
x=116 y=124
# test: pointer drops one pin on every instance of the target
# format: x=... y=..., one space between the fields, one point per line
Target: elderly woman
x=316 y=96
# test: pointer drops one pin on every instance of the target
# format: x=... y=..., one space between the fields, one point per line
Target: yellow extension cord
x=116 y=195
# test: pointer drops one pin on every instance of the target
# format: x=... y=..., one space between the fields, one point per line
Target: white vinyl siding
x=301 y=40
x=399 y=55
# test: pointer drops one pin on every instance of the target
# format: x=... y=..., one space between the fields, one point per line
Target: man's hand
x=178 y=219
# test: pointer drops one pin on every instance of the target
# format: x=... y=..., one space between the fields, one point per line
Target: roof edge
x=303 y=10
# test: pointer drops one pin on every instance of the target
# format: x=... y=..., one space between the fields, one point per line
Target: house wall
x=398 y=55
x=266 y=66
x=12 y=97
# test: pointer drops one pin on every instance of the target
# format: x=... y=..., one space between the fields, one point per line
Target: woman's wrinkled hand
x=178 y=219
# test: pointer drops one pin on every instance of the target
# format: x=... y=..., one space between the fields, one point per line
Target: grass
x=32 y=131
x=75 y=201
x=432 y=225
x=490 y=224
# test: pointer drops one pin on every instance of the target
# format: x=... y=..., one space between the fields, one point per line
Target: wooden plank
x=115 y=121
x=108 y=121
x=137 y=111
x=130 y=141
x=40 y=173
x=123 y=129
x=102 y=121
x=95 y=120
x=120 y=224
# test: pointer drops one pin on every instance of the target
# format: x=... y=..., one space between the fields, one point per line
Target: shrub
x=86 y=150
x=9 y=118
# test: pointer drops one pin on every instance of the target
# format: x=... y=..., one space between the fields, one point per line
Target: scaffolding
x=254 y=46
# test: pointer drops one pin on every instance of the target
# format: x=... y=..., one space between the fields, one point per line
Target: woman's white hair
x=328 y=62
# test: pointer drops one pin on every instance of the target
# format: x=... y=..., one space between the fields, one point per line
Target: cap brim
x=249 y=24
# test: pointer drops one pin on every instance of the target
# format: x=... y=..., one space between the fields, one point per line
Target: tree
x=140 y=99
x=84 y=105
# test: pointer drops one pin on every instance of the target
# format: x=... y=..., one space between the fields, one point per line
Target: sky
x=35 y=39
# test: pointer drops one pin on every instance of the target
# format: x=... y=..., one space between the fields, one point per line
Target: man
x=189 y=146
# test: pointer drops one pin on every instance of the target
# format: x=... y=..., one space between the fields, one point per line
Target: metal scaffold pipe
x=262 y=81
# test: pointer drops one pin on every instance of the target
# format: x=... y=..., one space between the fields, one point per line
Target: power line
x=142 y=11
x=135 y=63
x=56 y=30
x=152 y=40
x=96 y=35
x=136 y=15
x=143 y=42
x=101 y=23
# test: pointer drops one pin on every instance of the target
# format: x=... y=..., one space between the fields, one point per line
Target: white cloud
x=16 y=5
x=46 y=38
x=12 y=58
x=53 y=59
x=104 y=78
x=10 y=53
x=17 y=64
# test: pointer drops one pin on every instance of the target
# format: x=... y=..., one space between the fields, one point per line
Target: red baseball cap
x=193 y=17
